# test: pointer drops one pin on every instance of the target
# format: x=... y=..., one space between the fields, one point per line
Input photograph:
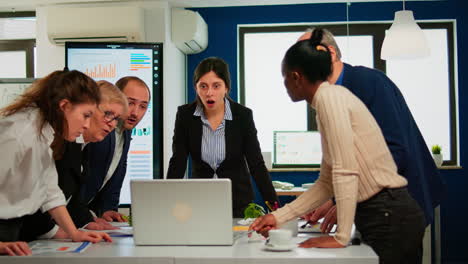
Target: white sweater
x=356 y=161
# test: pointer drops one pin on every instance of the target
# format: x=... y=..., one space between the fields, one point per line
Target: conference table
x=123 y=250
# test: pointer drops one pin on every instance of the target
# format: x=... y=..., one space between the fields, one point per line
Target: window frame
x=26 y=45
x=377 y=31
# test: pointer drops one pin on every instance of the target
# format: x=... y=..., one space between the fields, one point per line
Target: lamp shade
x=404 y=39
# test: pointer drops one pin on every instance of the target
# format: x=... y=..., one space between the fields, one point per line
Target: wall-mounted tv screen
x=112 y=61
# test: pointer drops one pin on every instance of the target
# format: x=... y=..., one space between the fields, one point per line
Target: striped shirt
x=213 y=141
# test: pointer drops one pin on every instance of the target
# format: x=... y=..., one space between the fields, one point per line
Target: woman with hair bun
x=357 y=168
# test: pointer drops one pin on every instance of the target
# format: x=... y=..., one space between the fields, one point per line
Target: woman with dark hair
x=357 y=168
x=220 y=137
x=34 y=128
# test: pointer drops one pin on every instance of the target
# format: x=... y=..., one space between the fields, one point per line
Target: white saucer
x=289 y=247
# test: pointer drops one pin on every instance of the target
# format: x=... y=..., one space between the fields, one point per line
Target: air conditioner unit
x=120 y=23
x=189 y=31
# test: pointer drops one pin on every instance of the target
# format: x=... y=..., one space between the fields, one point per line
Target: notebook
x=182 y=212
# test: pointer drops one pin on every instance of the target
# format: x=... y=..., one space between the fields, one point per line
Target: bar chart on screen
x=139 y=61
x=112 y=61
x=102 y=71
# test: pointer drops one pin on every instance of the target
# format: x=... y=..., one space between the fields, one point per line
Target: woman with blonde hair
x=72 y=179
x=34 y=128
x=113 y=107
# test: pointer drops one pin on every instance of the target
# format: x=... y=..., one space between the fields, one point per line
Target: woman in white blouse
x=32 y=132
x=357 y=168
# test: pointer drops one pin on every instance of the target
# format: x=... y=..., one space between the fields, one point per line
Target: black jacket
x=71 y=179
x=242 y=149
x=100 y=159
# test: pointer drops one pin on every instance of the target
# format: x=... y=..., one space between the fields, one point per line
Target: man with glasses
x=108 y=158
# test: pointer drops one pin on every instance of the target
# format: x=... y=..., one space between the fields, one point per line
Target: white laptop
x=182 y=212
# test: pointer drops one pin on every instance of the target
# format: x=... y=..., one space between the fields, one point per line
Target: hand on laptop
x=111 y=216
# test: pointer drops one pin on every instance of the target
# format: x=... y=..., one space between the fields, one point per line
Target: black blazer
x=242 y=149
x=70 y=180
x=100 y=158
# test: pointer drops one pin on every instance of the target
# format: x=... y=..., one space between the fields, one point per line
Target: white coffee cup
x=291 y=225
x=279 y=237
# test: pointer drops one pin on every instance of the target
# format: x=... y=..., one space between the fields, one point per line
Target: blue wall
x=222 y=26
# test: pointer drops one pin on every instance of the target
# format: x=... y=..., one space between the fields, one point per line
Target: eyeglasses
x=110 y=116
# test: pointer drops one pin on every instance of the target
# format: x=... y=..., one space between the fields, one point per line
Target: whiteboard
x=10 y=89
x=297 y=148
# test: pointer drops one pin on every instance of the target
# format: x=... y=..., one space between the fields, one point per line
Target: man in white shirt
x=108 y=158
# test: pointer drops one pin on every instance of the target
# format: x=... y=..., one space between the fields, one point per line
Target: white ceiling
x=30 y=5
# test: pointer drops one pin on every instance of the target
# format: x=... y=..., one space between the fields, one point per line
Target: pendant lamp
x=405 y=39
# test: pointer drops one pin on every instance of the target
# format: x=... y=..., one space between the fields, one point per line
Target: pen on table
x=306 y=223
x=269 y=206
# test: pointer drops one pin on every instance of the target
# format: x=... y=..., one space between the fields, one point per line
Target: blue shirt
x=213 y=141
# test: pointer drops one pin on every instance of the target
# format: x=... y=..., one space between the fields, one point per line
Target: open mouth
x=131 y=120
x=210 y=103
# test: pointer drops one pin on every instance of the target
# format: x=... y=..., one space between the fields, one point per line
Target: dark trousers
x=25 y=228
x=10 y=229
x=392 y=224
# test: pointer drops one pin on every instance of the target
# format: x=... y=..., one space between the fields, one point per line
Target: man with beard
x=108 y=158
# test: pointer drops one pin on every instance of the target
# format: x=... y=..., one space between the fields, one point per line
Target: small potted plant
x=253 y=210
x=437 y=155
